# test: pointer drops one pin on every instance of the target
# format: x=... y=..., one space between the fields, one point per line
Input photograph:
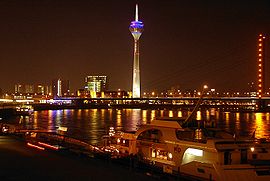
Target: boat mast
x=190 y=117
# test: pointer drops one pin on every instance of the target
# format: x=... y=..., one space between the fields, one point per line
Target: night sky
x=185 y=43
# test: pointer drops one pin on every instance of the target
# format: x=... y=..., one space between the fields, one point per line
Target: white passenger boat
x=202 y=154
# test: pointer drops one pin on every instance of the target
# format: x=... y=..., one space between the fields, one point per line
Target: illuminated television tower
x=261 y=63
x=136 y=29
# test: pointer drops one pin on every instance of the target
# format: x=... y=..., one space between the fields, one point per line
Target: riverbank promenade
x=21 y=162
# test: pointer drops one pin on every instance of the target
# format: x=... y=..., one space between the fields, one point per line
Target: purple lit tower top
x=136 y=29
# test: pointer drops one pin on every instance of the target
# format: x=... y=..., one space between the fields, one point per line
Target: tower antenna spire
x=137 y=13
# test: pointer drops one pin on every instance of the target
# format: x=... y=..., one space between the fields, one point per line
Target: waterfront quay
x=21 y=162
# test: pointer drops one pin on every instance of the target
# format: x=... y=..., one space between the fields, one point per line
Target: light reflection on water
x=91 y=124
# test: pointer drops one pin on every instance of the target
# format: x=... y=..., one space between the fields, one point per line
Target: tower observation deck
x=136 y=29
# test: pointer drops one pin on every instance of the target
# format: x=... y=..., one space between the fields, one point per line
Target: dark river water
x=91 y=124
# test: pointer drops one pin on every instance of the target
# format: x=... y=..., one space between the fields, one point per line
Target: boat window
x=227 y=158
x=200 y=170
x=160 y=154
x=185 y=135
x=123 y=142
x=191 y=155
x=254 y=156
x=244 y=158
x=217 y=134
x=151 y=135
x=191 y=135
x=201 y=134
x=262 y=172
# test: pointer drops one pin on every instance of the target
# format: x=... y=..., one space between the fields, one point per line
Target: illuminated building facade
x=32 y=89
x=19 y=88
x=29 y=89
x=60 y=88
x=261 y=65
x=43 y=89
x=96 y=83
x=136 y=29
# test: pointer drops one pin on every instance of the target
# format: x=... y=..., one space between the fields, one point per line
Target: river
x=91 y=124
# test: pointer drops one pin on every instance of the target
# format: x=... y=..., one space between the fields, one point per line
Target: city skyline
x=186 y=44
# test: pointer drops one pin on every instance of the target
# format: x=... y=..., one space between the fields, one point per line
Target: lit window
x=260 y=44
x=195 y=152
x=260 y=50
x=260 y=55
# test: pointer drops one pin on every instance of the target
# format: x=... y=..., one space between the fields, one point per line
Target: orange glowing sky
x=185 y=43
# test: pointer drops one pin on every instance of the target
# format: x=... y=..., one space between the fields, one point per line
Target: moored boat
x=199 y=153
x=24 y=110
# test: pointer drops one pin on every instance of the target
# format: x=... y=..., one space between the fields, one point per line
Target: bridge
x=237 y=103
x=225 y=103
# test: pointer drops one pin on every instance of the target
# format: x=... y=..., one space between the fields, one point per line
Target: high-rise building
x=136 y=29
x=19 y=88
x=42 y=89
x=60 y=88
x=29 y=88
x=39 y=89
x=24 y=88
x=96 y=83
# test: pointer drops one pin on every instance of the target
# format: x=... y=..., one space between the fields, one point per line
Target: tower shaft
x=136 y=86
